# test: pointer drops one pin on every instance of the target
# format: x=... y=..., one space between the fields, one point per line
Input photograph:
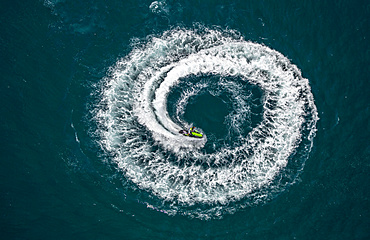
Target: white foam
x=135 y=104
x=159 y=7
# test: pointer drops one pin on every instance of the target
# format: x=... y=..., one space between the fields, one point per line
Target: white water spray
x=144 y=140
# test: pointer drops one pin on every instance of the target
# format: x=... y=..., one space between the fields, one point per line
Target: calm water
x=89 y=146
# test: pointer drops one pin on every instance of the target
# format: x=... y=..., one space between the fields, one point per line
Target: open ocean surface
x=93 y=94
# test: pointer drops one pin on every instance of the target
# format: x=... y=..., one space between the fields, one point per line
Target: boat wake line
x=143 y=140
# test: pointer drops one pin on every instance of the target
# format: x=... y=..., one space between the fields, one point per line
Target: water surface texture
x=94 y=95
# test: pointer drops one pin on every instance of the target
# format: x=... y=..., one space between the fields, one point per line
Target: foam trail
x=134 y=106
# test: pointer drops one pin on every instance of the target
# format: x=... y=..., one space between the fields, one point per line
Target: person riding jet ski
x=191 y=133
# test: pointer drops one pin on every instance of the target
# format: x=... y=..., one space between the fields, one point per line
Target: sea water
x=95 y=93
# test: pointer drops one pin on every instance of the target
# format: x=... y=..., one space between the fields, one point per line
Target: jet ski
x=191 y=133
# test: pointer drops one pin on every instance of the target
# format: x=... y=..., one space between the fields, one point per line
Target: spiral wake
x=139 y=126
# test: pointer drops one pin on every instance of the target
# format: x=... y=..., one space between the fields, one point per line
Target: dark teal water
x=57 y=182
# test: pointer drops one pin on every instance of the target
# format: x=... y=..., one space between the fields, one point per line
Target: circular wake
x=139 y=127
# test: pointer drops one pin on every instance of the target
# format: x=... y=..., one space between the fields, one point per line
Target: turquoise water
x=94 y=92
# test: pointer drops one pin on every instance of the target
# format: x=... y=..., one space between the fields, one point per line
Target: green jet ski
x=191 y=133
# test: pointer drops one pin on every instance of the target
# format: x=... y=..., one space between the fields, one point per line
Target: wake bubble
x=179 y=175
